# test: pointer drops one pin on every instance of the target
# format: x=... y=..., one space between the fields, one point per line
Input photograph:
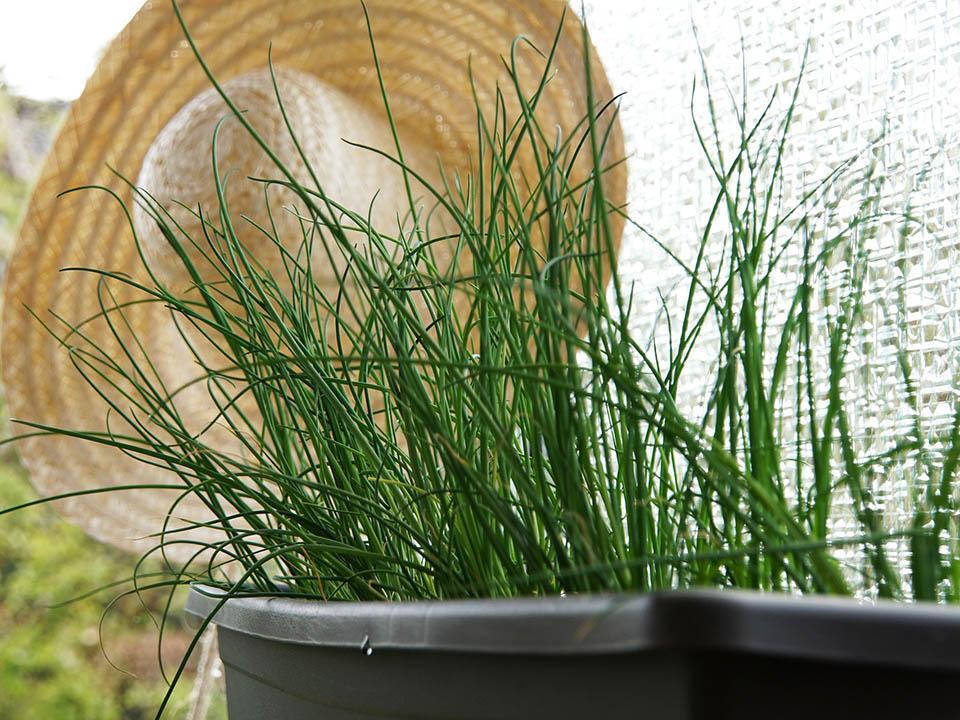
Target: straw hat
x=148 y=111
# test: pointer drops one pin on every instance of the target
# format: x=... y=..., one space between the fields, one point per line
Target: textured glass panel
x=873 y=67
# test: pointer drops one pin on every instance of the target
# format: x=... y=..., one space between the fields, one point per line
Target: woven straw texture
x=147 y=75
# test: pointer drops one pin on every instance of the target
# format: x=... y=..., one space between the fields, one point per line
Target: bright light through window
x=48 y=48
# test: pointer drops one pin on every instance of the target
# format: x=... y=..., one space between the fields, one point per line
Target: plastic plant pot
x=673 y=655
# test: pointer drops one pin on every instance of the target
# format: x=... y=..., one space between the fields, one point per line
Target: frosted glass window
x=870 y=65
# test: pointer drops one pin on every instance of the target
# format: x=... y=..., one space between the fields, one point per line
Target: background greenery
x=51 y=662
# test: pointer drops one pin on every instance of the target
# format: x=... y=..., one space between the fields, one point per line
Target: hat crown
x=178 y=169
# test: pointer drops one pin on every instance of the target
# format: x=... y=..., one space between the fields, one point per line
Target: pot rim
x=919 y=635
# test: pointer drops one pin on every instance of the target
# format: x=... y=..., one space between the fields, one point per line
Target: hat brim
x=146 y=75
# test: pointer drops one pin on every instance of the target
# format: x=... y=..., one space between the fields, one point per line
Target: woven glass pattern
x=872 y=67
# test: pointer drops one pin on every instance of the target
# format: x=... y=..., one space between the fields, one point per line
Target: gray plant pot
x=679 y=655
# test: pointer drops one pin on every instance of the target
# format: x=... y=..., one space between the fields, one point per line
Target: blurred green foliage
x=51 y=662
x=26 y=129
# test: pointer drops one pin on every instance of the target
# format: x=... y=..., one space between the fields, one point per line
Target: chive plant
x=532 y=444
